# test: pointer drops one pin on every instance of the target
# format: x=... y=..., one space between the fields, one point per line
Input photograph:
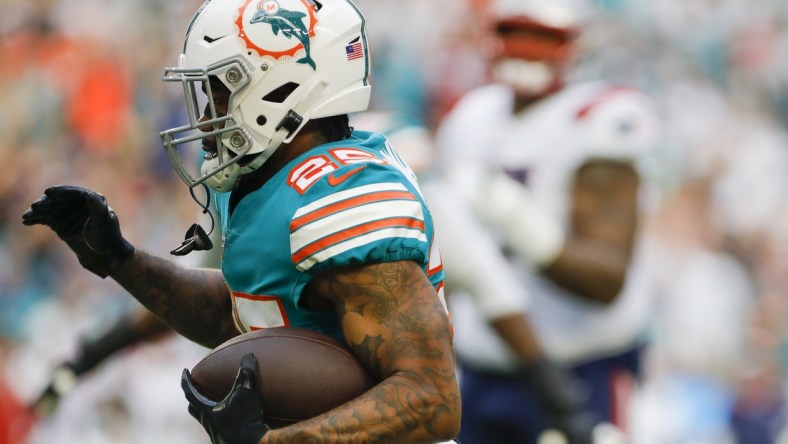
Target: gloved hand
x=561 y=399
x=84 y=221
x=238 y=418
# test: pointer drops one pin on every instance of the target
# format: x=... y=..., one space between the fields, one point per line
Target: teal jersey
x=343 y=203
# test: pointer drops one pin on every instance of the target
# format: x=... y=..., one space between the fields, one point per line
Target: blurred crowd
x=82 y=102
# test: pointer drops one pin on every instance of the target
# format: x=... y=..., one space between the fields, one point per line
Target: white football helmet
x=533 y=42
x=311 y=54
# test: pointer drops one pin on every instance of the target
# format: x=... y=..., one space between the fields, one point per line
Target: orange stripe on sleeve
x=358 y=230
x=320 y=213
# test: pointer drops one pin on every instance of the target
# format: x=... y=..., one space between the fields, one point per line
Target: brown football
x=302 y=373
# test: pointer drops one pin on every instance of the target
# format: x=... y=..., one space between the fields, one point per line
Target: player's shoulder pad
x=482 y=101
x=476 y=109
x=618 y=122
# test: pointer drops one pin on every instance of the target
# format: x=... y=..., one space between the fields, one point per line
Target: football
x=302 y=373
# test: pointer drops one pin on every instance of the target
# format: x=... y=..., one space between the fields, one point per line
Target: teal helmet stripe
x=364 y=40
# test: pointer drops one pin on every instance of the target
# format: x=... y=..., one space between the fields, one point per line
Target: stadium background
x=81 y=102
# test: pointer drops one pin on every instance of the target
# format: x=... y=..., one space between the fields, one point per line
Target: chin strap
x=279 y=136
x=196 y=238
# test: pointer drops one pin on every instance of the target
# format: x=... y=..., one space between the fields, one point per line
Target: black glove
x=83 y=220
x=562 y=399
x=238 y=418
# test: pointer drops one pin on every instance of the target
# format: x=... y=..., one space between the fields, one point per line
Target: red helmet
x=533 y=42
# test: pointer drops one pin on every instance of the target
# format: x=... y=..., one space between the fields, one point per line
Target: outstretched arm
x=193 y=302
x=397 y=327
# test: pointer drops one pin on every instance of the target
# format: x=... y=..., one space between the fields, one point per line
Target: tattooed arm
x=397 y=327
x=194 y=302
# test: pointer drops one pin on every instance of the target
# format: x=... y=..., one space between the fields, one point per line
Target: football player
x=323 y=227
x=477 y=268
x=551 y=169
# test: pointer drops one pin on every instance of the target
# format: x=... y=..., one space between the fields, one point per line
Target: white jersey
x=543 y=147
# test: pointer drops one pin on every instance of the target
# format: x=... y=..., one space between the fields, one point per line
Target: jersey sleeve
x=358 y=214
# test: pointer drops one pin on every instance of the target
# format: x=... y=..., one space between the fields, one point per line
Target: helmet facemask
x=219 y=169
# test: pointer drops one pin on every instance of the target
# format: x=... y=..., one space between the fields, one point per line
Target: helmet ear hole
x=281 y=94
x=261 y=120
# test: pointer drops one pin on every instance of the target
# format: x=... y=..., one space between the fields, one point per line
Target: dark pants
x=499 y=409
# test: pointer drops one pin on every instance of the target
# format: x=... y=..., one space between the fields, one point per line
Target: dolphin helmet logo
x=288 y=34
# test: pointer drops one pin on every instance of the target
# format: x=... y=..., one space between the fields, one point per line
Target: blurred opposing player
x=552 y=170
x=323 y=227
x=476 y=266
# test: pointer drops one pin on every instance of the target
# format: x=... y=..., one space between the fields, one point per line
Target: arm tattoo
x=397 y=327
x=193 y=302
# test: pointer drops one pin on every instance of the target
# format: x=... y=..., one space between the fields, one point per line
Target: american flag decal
x=354 y=51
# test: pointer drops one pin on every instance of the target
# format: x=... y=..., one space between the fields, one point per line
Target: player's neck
x=301 y=143
x=523 y=100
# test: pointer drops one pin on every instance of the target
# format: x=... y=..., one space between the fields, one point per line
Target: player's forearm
x=397 y=327
x=419 y=403
x=146 y=325
x=592 y=271
x=192 y=301
x=398 y=410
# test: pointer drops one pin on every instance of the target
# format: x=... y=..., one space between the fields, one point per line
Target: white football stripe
x=346 y=194
x=349 y=244
x=352 y=217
